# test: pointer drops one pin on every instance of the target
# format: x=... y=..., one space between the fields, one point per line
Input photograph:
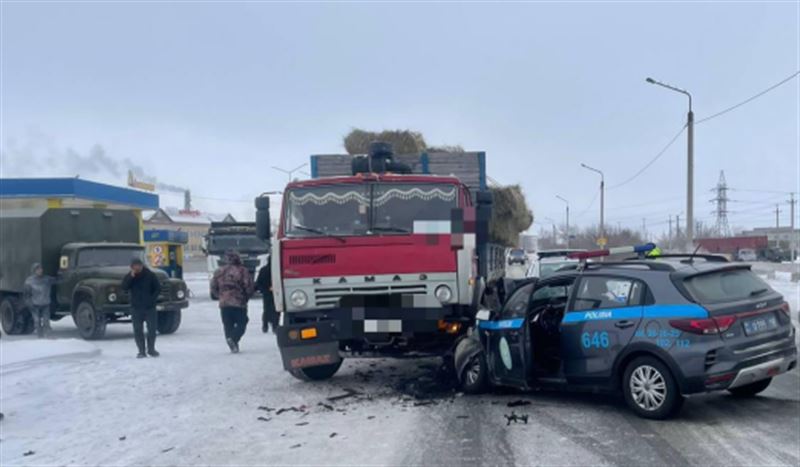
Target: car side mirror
x=483 y=314
x=263 y=225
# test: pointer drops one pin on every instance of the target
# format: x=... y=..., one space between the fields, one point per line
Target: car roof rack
x=688 y=256
x=651 y=265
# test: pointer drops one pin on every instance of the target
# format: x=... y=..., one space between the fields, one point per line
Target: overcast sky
x=210 y=95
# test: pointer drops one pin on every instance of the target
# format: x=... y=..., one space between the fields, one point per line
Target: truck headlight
x=180 y=294
x=443 y=293
x=112 y=297
x=298 y=298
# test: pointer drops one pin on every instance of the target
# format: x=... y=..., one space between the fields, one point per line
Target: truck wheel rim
x=85 y=317
x=474 y=370
x=648 y=388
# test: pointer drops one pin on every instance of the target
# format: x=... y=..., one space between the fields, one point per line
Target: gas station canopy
x=73 y=192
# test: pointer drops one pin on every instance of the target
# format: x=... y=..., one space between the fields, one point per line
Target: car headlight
x=443 y=293
x=180 y=294
x=298 y=298
x=112 y=297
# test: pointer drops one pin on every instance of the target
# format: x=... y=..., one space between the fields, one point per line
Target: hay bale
x=403 y=141
x=510 y=215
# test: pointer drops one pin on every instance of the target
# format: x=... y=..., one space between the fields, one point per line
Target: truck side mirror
x=263 y=226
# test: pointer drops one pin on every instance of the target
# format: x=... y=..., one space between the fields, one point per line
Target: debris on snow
x=264 y=419
x=168 y=449
x=348 y=393
x=265 y=408
x=123 y=438
x=301 y=424
x=325 y=406
x=518 y=403
x=29 y=453
x=332 y=435
x=516 y=418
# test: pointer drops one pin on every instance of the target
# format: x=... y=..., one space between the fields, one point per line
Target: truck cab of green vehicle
x=88 y=287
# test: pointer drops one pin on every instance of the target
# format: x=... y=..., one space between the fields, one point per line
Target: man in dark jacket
x=144 y=288
x=264 y=285
x=233 y=285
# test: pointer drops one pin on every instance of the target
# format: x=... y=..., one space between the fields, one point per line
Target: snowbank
x=20 y=351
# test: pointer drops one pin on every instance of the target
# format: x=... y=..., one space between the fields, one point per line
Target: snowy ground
x=70 y=402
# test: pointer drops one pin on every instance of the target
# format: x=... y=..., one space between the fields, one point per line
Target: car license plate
x=760 y=324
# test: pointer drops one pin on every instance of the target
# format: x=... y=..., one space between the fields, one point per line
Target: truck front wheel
x=13 y=317
x=317 y=373
x=91 y=323
x=169 y=321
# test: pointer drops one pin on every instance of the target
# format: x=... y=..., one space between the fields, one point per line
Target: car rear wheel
x=473 y=376
x=317 y=373
x=12 y=316
x=169 y=321
x=650 y=389
x=750 y=390
x=91 y=323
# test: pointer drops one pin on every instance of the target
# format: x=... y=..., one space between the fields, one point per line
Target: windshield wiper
x=389 y=228
x=319 y=232
x=758 y=292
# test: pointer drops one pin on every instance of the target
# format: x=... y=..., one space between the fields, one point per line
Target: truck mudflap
x=311 y=338
x=307 y=345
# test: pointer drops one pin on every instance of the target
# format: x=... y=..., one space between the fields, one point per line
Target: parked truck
x=238 y=236
x=89 y=252
x=375 y=263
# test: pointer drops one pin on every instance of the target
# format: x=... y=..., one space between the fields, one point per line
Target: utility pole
x=669 y=237
x=722 y=227
x=777 y=216
x=678 y=226
x=567 y=203
x=792 y=234
x=602 y=202
x=644 y=229
x=689 y=161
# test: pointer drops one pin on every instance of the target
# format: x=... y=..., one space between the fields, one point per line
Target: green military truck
x=88 y=251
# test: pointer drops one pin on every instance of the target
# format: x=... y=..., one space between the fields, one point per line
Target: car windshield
x=726 y=286
x=546 y=269
x=108 y=256
x=379 y=208
x=240 y=243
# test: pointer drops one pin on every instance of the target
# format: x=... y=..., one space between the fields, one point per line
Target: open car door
x=505 y=340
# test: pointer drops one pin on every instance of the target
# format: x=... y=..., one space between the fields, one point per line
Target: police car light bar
x=581 y=255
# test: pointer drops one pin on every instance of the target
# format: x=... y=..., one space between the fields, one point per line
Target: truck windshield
x=108 y=256
x=367 y=209
x=240 y=243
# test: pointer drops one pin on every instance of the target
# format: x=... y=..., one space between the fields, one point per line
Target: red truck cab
x=373 y=265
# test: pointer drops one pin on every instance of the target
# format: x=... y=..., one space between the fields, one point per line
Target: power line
x=591 y=203
x=752 y=98
x=652 y=161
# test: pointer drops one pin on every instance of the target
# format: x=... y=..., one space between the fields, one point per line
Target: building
x=194 y=223
x=39 y=194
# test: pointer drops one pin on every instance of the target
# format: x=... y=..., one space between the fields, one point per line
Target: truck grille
x=330 y=296
x=166 y=292
x=312 y=259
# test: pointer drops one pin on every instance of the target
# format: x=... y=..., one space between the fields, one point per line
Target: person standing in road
x=264 y=285
x=233 y=285
x=37 y=297
x=143 y=285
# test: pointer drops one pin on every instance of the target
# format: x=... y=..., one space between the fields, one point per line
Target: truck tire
x=750 y=390
x=317 y=373
x=169 y=321
x=91 y=324
x=650 y=390
x=13 y=316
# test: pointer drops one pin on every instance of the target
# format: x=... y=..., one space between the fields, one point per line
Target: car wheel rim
x=648 y=388
x=474 y=371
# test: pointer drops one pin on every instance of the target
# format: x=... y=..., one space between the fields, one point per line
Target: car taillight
x=785 y=308
x=704 y=326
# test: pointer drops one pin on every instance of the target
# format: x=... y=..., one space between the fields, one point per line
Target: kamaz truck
x=89 y=252
x=376 y=263
x=237 y=236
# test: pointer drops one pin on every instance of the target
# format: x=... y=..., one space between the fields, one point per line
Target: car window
x=726 y=286
x=517 y=305
x=606 y=292
x=549 y=292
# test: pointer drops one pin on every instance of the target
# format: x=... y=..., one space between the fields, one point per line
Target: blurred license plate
x=760 y=324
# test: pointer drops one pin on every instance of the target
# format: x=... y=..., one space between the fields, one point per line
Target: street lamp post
x=290 y=172
x=602 y=201
x=689 y=161
x=567 y=203
x=553 y=223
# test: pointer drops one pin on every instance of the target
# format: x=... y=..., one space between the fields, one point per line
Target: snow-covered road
x=93 y=403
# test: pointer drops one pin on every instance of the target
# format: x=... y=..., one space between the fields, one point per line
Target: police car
x=655 y=329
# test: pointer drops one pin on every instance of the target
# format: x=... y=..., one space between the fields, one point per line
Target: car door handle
x=624 y=324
